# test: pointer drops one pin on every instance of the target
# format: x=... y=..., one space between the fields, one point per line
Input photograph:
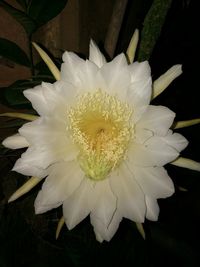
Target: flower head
x=99 y=143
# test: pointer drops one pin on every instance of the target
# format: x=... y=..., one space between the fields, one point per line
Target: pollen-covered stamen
x=100 y=126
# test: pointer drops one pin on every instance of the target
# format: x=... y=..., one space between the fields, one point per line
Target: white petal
x=64 y=178
x=49 y=142
x=95 y=55
x=79 y=204
x=44 y=130
x=154 y=152
x=37 y=99
x=80 y=73
x=101 y=231
x=157 y=119
x=130 y=198
x=45 y=99
x=152 y=209
x=15 y=141
x=140 y=90
x=116 y=76
x=106 y=204
x=71 y=67
x=139 y=71
x=175 y=140
x=154 y=181
x=29 y=170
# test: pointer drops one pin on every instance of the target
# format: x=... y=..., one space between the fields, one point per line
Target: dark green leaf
x=13 y=95
x=153 y=23
x=44 y=10
x=28 y=24
x=22 y=3
x=13 y=52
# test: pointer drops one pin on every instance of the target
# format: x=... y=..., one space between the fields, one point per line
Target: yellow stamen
x=100 y=126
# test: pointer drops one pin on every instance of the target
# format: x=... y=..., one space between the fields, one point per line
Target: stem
x=115 y=26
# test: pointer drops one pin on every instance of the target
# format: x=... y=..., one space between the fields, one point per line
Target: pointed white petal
x=29 y=170
x=139 y=71
x=64 y=178
x=175 y=140
x=133 y=46
x=49 y=143
x=79 y=204
x=37 y=99
x=154 y=181
x=154 y=152
x=46 y=100
x=52 y=67
x=164 y=80
x=139 y=92
x=102 y=231
x=15 y=141
x=116 y=76
x=152 y=209
x=106 y=203
x=187 y=163
x=80 y=73
x=130 y=198
x=157 y=119
x=182 y=124
x=25 y=188
x=95 y=55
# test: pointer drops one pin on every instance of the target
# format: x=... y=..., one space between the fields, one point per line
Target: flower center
x=100 y=126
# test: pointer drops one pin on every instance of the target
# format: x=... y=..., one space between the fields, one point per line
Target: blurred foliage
x=35 y=13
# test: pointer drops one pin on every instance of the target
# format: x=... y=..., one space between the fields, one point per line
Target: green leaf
x=42 y=11
x=27 y=22
x=153 y=23
x=13 y=52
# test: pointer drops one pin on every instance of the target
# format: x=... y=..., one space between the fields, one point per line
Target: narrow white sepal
x=25 y=188
x=15 y=142
x=182 y=124
x=23 y=116
x=60 y=226
x=186 y=163
x=182 y=189
x=131 y=50
x=141 y=229
x=164 y=80
x=52 y=67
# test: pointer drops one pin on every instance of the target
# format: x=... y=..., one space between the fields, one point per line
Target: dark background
x=29 y=240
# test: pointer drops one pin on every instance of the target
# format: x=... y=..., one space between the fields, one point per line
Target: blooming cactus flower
x=98 y=143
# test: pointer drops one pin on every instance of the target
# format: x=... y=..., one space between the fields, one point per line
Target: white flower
x=99 y=143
